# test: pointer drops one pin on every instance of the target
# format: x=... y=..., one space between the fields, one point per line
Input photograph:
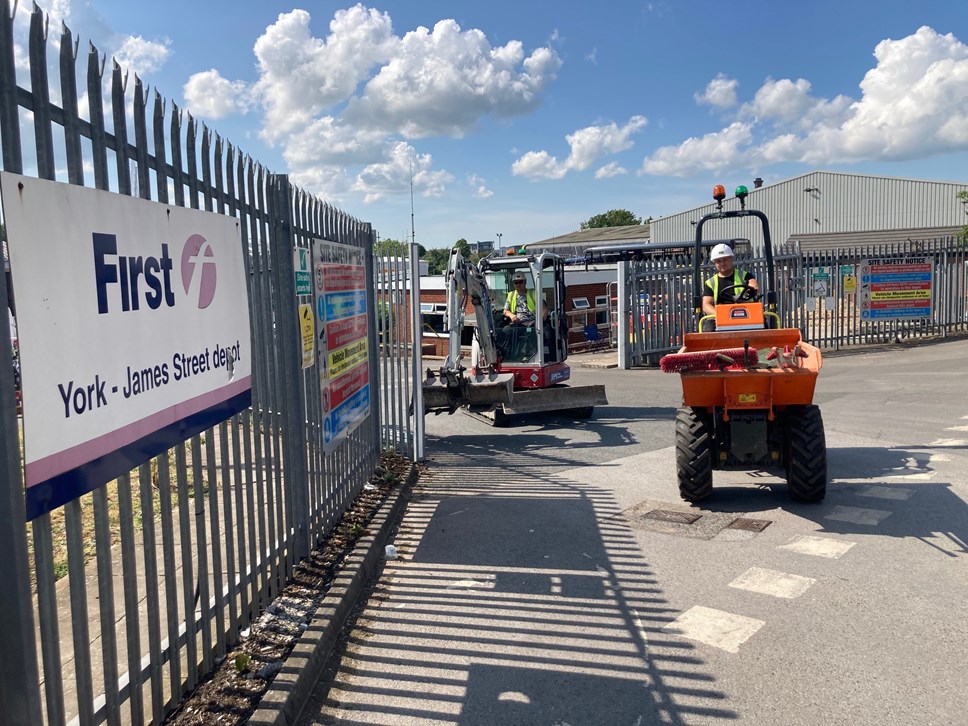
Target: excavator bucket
x=448 y=392
x=556 y=399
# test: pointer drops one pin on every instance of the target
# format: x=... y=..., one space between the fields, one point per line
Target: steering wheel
x=746 y=294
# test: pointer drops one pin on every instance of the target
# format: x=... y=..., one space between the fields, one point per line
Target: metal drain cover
x=750 y=525
x=670 y=515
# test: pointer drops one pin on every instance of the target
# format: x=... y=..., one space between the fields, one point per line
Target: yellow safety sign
x=308 y=330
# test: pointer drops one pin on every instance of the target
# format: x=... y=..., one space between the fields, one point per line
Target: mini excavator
x=513 y=369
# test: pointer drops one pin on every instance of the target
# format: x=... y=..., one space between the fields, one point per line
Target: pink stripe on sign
x=43 y=469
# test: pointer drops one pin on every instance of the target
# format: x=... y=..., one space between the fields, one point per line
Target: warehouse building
x=824 y=203
x=813 y=206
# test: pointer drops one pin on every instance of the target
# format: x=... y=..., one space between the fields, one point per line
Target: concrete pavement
x=537 y=587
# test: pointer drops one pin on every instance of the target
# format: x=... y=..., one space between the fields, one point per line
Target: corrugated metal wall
x=829 y=202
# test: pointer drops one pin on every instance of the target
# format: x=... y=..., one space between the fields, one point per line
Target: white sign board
x=133 y=322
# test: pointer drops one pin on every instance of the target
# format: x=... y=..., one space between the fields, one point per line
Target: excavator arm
x=464 y=281
x=453 y=385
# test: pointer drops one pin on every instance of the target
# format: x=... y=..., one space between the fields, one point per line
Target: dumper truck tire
x=806 y=454
x=694 y=453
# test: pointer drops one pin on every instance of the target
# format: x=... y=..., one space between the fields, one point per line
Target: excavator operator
x=520 y=305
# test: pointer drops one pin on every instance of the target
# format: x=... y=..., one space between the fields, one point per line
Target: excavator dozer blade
x=555 y=399
x=494 y=389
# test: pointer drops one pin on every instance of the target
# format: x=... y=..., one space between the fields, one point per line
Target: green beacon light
x=741 y=194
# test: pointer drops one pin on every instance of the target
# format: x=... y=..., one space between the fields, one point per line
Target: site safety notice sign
x=896 y=288
x=343 y=340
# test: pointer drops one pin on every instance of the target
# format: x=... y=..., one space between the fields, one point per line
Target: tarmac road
x=534 y=590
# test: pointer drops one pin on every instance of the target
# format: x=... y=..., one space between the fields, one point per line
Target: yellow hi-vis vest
x=513 y=300
x=739 y=278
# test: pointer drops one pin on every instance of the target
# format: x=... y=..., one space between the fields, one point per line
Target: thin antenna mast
x=413 y=238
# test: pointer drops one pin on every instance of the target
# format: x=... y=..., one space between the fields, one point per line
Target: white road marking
x=949 y=442
x=818 y=546
x=715 y=627
x=886 y=492
x=916 y=476
x=772 y=582
x=957 y=428
x=856 y=515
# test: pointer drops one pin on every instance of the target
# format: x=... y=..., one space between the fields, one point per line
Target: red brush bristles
x=709 y=360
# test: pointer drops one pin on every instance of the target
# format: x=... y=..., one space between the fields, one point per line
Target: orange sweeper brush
x=709 y=360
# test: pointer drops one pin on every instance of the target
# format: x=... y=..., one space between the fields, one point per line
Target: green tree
x=390 y=248
x=436 y=260
x=612 y=218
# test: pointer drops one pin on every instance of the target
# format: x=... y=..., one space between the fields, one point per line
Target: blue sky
x=524 y=119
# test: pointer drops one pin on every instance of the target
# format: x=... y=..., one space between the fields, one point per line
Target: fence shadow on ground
x=521 y=598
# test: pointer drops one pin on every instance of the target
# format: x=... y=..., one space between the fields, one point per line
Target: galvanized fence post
x=19 y=691
x=624 y=311
x=417 y=406
x=287 y=321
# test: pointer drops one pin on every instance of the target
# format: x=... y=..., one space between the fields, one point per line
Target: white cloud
x=328 y=141
x=611 y=169
x=538 y=165
x=142 y=57
x=720 y=92
x=348 y=98
x=442 y=82
x=388 y=177
x=301 y=76
x=785 y=100
x=912 y=105
x=480 y=187
x=588 y=145
x=712 y=152
x=209 y=95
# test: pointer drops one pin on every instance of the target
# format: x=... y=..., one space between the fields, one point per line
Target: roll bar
x=768 y=246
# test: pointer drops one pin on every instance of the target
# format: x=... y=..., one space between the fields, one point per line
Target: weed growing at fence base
x=230 y=695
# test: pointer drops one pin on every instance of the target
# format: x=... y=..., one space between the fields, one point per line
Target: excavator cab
x=542 y=338
x=534 y=349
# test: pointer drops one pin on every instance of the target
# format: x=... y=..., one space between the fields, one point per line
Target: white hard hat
x=720 y=251
x=519 y=277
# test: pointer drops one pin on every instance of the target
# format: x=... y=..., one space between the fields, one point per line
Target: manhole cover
x=750 y=525
x=669 y=515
